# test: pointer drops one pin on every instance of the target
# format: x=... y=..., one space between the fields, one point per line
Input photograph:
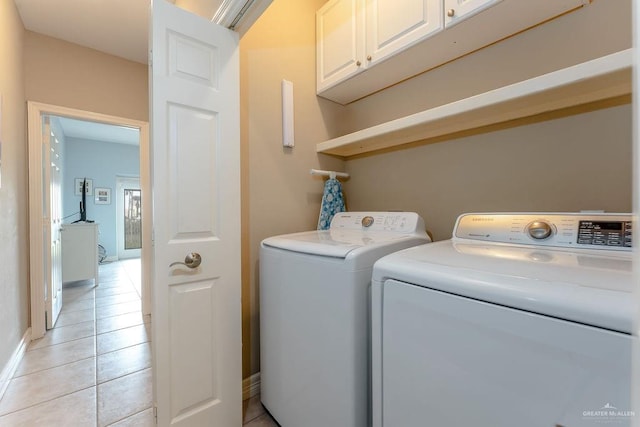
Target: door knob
x=192 y=260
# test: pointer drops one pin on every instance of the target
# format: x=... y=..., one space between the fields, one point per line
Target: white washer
x=519 y=319
x=314 y=316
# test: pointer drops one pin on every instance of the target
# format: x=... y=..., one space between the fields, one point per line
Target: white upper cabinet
x=364 y=46
x=458 y=10
x=355 y=34
x=341 y=43
x=392 y=26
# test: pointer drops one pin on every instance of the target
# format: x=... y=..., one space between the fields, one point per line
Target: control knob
x=367 y=221
x=539 y=230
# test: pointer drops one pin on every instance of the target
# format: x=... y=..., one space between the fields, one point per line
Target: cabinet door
x=340 y=41
x=394 y=25
x=80 y=252
x=458 y=10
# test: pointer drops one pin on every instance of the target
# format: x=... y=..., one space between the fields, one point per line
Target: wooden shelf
x=594 y=84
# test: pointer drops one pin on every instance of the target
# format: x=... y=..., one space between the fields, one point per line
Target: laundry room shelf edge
x=599 y=83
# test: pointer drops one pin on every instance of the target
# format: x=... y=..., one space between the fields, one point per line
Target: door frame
x=35 y=112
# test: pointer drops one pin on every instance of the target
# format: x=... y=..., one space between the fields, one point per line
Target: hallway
x=94 y=367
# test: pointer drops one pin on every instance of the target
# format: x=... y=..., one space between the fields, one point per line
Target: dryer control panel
x=399 y=222
x=571 y=230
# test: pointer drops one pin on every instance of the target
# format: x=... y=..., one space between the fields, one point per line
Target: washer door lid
x=331 y=243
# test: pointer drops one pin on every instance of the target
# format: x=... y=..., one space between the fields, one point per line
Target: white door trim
x=34 y=114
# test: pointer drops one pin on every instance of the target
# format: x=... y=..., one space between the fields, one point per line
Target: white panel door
x=394 y=25
x=196 y=215
x=52 y=212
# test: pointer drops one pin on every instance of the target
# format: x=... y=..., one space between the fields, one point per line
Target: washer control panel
x=571 y=230
x=607 y=233
x=401 y=222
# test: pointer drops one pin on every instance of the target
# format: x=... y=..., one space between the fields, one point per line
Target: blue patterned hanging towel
x=332 y=203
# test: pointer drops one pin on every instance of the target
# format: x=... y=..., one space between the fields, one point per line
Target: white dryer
x=314 y=316
x=518 y=320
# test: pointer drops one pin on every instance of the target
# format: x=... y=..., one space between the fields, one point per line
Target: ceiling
x=116 y=27
x=81 y=129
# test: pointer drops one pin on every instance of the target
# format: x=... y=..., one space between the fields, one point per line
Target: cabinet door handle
x=451 y=13
x=192 y=260
x=368 y=57
x=358 y=63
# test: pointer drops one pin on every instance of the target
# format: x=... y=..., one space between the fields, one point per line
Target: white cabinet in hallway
x=80 y=251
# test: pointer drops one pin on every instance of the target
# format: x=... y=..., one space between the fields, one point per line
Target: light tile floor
x=94 y=367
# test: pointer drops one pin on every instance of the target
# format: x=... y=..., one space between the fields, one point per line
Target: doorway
x=128 y=217
x=39 y=248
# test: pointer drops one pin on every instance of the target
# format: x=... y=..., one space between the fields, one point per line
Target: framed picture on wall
x=78 y=188
x=103 y=196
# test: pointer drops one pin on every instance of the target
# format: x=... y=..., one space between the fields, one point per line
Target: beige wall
x=579 y=162
x=62 y=73
x=14 y=289
x=571 y=164
x=40 y=68
x=279 y=195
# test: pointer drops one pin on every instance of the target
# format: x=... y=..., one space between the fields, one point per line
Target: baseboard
x=251 y=386
x=13 y=362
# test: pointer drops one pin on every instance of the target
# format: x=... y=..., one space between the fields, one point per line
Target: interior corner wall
x=567 y=164
x=278 y=194
x=14 y=247
x=69 y=75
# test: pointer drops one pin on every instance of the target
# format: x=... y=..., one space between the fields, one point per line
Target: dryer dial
x=539 y=230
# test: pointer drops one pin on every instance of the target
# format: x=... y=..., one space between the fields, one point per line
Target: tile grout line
x=125 y=418
x=45 y=401
x=123 y=348
x=54 y=367
x=124 y=375
x=120 y=314
x=59 y=343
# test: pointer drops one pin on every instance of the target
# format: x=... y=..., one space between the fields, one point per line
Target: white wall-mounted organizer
x=288 y=130
x=598 y=83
